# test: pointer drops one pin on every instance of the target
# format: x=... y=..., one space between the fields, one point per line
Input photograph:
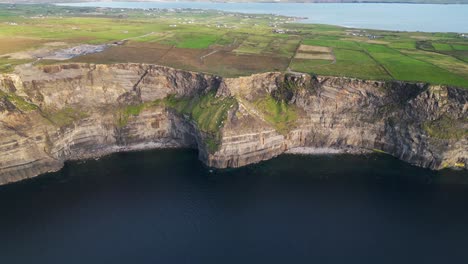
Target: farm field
x=228 y=44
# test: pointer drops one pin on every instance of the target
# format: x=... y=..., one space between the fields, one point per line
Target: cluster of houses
x=184 y=21
x=362 y=33
x=463 y=35
x=278 y=21
x=221 y=25
x=285 y=31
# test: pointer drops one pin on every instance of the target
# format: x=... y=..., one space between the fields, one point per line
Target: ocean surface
x=164 y=206
x=402 y=17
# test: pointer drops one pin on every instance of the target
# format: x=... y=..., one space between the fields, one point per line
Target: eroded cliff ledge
x=51 y=114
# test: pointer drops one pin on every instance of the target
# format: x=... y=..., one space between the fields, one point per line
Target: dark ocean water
x=164 y=206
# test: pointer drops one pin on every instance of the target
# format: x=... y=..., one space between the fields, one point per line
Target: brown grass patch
x=308 y=48
x=132 y=52
x=223 y=62
x=373 y=41
x=366 y=40
x=314 y=56
x=10 y=45
x=420 y=37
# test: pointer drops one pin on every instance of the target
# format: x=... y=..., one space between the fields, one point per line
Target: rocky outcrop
x=421 y=124
x=51 y=114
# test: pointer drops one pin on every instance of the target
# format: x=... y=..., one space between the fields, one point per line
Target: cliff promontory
x=50 y=114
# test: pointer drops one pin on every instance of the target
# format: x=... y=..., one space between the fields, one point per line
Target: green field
x=352 y=63
x=229 y=44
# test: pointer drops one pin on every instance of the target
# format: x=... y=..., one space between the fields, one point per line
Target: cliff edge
x=51 y=114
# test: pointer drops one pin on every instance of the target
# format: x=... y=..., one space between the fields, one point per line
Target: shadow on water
x=164 y=206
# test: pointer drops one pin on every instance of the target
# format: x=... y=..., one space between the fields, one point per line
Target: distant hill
x=260 y=1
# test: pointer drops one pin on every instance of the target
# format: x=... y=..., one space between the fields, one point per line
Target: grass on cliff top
x=242 y=44
x=7 y=65
x=446 y=62
x=407 y=68
x=192 y=40
x=349 y=63
x=207 y=111
x=416 y=57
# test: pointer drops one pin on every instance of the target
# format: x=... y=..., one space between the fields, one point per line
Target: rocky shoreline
x=51 y=114
x=322 y=151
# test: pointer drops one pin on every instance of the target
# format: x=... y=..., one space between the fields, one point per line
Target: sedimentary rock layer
x=51 y=114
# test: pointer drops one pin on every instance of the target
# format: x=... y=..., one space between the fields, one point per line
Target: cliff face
x=424 y=125
x=57 y=113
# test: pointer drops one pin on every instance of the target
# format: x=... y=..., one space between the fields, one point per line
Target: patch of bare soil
x=221 y=62
x=134 y=52
x=309 y=48
x=10 y=45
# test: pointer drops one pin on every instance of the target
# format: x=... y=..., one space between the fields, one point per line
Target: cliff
x=51 y=114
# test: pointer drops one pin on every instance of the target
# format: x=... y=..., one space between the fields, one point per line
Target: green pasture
x=440 y=58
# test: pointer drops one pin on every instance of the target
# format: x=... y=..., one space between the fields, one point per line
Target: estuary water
x=164 y=206
x=402 y=17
